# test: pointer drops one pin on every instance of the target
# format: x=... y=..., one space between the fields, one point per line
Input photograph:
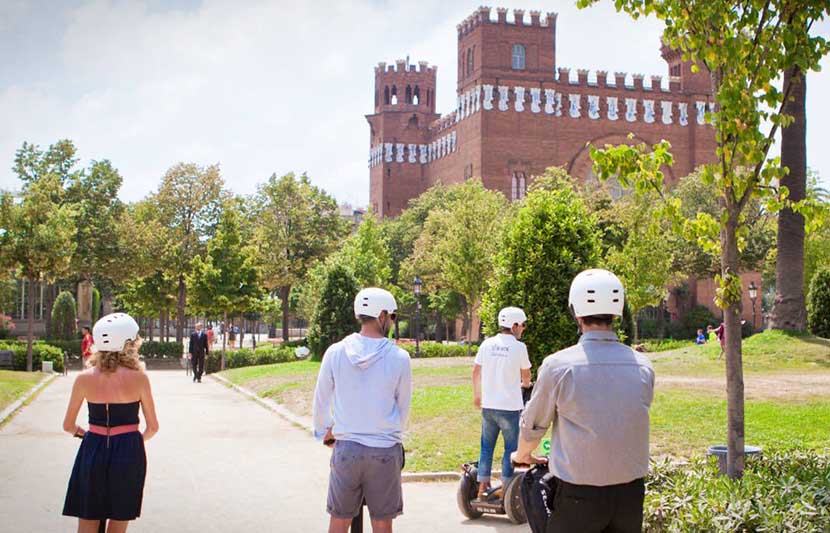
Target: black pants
x=589 y=509
x=198 y=362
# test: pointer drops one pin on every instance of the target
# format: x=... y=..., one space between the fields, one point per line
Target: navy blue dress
x=108 y=477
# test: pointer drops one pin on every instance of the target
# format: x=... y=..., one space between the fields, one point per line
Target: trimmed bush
x=334 y=315
x=436 y=349
x=72 y=347
x=818 y=304
x=782 y=492
x=697 y=317
x=40 y=352
x=96 y=305
x=157 y=349
x=63 y=316
x=263 y=355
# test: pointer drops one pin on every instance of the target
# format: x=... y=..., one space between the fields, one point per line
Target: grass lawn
x=787 y=389
x=14 y=384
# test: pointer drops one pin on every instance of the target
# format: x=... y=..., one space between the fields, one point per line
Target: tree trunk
x=47 y=318
x=734 y=362
x=635 y=331
x=788 y=311
x=180 y=309
x=284 y=292
x=30 y=323
x=470 y=331
x=224 y=342
x=242 y=323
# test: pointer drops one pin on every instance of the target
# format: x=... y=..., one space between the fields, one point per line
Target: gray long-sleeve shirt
x=597 y=395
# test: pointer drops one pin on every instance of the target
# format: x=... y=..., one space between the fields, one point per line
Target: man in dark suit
x=198 y=350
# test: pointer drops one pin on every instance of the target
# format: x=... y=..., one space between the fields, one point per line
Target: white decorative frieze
x=453 y=141
x=613 y=110
x=575 y=105
x=701 y=112
x=666 y=112
x=593 y=106
x=389 y=147
x=399 y=153
x=648 y=111
x=476 y=99
x=630 y=109
x=488 y=97
x=558 y=99
x=549 y=101
x=413 y=155
x=459 y=108
x=684 y=113
x=503 y=97
x=424 y=153
x=535 y=99
x=519 y=96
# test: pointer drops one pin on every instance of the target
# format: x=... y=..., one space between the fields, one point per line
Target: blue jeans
x=493 y=421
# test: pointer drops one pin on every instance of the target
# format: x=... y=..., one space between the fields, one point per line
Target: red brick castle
x=518 y=113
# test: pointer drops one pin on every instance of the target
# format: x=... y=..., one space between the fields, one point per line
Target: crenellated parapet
x=483 y=15
x=401 y=67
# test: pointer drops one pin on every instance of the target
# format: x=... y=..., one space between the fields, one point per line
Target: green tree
x=334 y=315
x=456 y=247
x=96 y=305
x=188 y=202
x=551 y=239
x=298 y=224
x=746 y=47
x=31 y=163
x=36 y=239
x=226 y=279
x=366 y=254
x=63 y=316
x=818 y=304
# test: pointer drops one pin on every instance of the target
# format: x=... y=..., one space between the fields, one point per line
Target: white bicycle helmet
x=112 y=332
x=596 y=292
x=510 y=316
x=372 y=301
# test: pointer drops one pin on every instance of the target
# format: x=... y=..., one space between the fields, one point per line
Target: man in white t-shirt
x=501 y=369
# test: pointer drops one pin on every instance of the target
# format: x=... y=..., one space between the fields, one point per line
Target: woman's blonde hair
x=110 y=361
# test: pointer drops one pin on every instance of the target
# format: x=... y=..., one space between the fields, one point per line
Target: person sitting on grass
x=701 y=338
x=501 y=369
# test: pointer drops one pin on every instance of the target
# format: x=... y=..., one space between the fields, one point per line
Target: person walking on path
x=361 y=405
x=500 y=371
x=86 y=345
x=597 y=395
x=199 y=349
x=107 y=481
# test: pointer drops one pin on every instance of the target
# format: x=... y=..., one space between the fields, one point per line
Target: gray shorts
x=359 y=472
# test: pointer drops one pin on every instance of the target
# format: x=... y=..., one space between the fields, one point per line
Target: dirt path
x=780 y=386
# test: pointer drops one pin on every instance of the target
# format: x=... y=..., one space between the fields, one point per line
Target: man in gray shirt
x=597 y=395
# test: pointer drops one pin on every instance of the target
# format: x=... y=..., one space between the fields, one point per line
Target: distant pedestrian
x=701 y=338
x=198 y=351
x=107 y=482
x=86 y=345
x=720 y=333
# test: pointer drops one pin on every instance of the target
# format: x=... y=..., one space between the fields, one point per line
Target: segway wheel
x=467 y=492
x=513 y=500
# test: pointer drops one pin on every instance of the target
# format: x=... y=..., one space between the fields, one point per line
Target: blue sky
x=263 y=87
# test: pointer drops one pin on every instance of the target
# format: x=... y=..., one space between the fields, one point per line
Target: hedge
x=40 y=352
x=159 y=349
x=263 y=355
x=787 y=491
x=436 y=349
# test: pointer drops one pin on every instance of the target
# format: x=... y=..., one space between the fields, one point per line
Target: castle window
x=377 y=98
x=413 y=120
x=416 y=96
x=386 y=95
x=394 y=95
x=518 y=57
x=469 y=61
x=408 y=94
x=518 y=186
x=675 y=70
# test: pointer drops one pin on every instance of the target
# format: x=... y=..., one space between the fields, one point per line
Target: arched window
x=394 y=95
x=518 y=189
x=386 y=95
x=469 y=61
x=416 y=96
x=413 y=120
x=408 y=94
x=377 y=97
x=518 y=57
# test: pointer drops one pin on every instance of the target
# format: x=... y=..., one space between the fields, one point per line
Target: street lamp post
x=753 y=295
x=416 y=290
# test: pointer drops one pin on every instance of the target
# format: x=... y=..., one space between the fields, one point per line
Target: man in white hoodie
x=361 y=404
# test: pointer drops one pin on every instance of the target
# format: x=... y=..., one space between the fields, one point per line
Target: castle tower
x=520 y=50
x=404 y=107
x=681 y=76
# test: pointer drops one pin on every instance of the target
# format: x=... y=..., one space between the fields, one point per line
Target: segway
x=510 y=502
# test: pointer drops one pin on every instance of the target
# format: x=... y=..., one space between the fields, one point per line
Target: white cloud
x=261 y=86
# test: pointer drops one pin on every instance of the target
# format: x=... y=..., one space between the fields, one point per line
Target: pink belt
x=113 y=431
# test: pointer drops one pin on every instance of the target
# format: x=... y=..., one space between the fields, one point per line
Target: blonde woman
x=107 y=481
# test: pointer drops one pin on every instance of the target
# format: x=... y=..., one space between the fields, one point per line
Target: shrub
x=72 y=347
x=96 y=305
x=782 y=492
x=550 y=240
x=697 y=317
x=334 y=316
x=161 y=349
x=263 y=355
x=40 y=352
x=818 y=304
x=6 y=326
x=63 y=316
x=436 y=349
